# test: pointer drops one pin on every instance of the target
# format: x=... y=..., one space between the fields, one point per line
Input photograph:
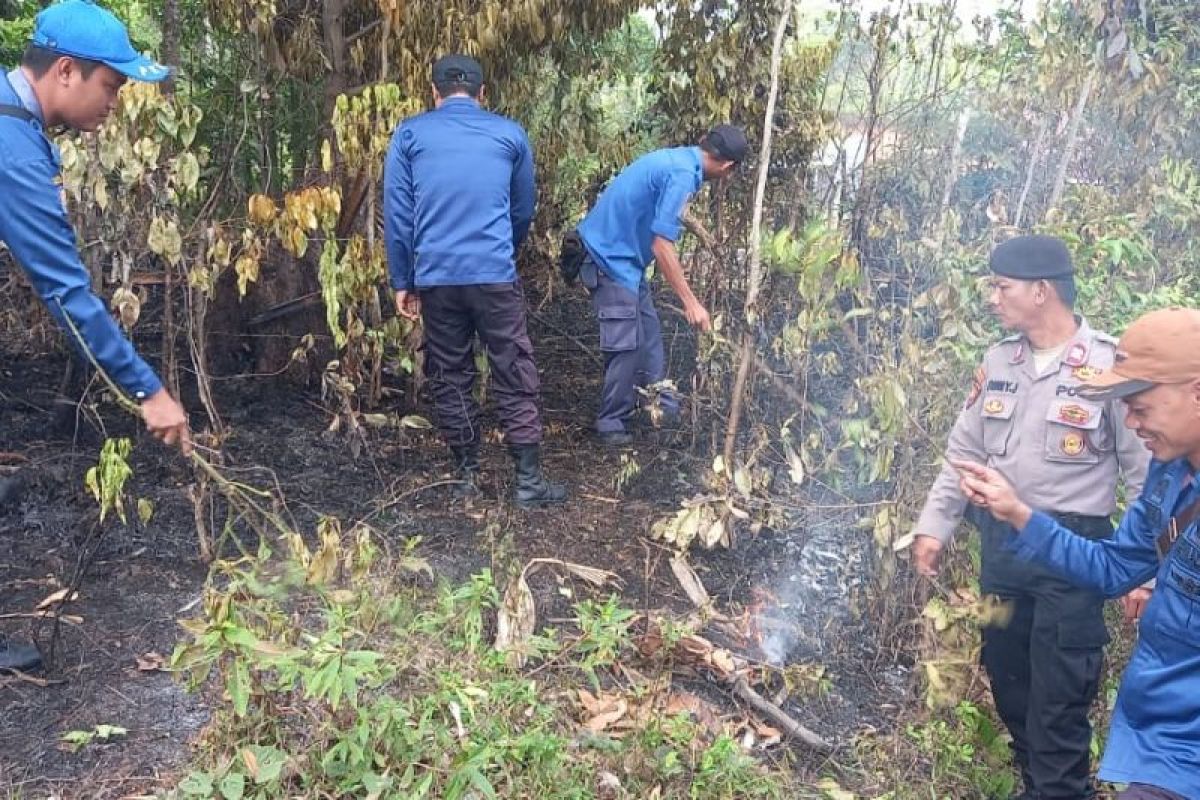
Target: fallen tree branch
x=782 y=385
x=16 y=675
x=790 y=727
x=47 y=614
x=731 y=671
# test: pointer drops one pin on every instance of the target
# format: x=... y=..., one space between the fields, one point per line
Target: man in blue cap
x=69 y=77
x=458 y=198
x=637 y=220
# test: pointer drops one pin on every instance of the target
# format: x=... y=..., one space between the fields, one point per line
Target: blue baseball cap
x=82 y=29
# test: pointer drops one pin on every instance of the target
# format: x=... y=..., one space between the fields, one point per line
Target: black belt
x=1086 y=525
x=1065 y=516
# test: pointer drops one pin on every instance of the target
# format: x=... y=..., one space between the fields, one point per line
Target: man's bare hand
x=166 y=420
x=987 y=488
x=697 y=316
x=408 y=304
x=927 y=555
x=1134 y=604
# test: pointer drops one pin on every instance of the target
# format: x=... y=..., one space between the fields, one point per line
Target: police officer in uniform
x=1154 y=740
x=458 y=199
x=1024 y=418
x=79 y=57
x=637 y=220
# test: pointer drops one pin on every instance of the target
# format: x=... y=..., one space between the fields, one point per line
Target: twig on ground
x=600 y=498
x=17 y=675
x=70 y=618
x=395 y=499
x=746 y=693
x=723 y=666
x=590 y=353
x=780 y=384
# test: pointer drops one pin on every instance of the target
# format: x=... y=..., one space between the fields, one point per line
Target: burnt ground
x=144 y=577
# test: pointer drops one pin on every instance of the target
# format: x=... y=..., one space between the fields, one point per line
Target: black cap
x=457 y=68
x=1033 y=258
x=726 y=142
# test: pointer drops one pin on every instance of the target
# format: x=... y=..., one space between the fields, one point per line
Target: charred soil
x=141 y=578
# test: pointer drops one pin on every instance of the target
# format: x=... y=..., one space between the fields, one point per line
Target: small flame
x=761 y=608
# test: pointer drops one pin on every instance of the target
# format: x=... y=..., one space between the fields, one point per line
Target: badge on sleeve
x=1072 y=444
x=1076 y=355
x=1074 y=414
x=976 y=387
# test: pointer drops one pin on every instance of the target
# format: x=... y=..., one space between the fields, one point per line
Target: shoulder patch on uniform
x=1005 y=344
x=977 y=382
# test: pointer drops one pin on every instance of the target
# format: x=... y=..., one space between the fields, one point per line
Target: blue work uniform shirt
x=458 y=197
x=1154 y=737
x=35 y=226
x=646 y=200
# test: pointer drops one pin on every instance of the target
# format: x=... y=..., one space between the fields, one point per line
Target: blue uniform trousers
x=632 y=343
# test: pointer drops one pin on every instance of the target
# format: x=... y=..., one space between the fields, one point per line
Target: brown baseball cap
x=1160 y=347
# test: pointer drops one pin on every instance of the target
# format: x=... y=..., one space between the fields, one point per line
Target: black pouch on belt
x=571 y=257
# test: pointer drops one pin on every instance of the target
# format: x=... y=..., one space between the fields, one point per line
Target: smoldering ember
x=599 y=400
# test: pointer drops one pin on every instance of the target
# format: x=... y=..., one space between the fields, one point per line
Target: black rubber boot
x=17 y=656
x=533 y=490
x=466 y=468
x=10 y=490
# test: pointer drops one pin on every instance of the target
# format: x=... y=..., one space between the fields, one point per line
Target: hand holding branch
x=167 y=421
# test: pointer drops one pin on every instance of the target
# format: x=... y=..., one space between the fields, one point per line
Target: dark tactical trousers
x=1045 y=665
x=632 y=343
x=453 y=315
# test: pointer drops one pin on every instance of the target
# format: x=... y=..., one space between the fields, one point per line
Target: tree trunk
x=170 y=41
x=333 y=14
x=1035 y=158
x=754 y=285
x=1085 y=92
x=964 y=119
